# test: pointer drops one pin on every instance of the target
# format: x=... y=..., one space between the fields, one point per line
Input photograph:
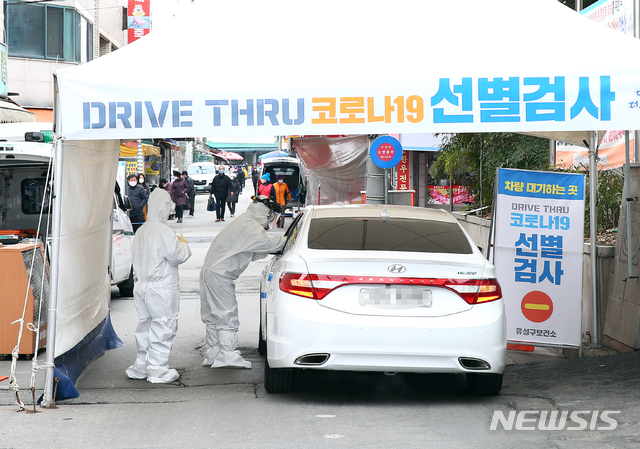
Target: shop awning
x=11 y=113
x=148 y=150
x=229 y=155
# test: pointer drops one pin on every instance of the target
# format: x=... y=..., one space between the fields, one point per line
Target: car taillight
x=475 y=291
x=317 y=286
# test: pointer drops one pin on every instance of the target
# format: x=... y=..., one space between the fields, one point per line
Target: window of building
x=43 y=31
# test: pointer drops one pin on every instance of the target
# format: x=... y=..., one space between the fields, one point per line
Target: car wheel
x=262 y=343
x=277 y=380
x=484 y=384
x=126 y=287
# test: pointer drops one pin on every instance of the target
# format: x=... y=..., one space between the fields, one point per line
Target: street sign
x=386 y=152
x=537 y=306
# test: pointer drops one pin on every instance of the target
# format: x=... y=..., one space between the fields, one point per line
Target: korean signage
x=442 y=195
x=386 y=152
x=538 y=254
x=402 y=180
x=615 y=14
x=138 y=19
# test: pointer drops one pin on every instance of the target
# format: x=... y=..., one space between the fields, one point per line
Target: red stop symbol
x=386 y=152
x=536 y=306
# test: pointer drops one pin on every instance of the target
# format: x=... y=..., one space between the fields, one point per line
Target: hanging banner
x=538 y=254
x=138 y=19
x=441 y=195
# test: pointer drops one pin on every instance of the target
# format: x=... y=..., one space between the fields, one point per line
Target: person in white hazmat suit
x=240 y=242
x=156 y=254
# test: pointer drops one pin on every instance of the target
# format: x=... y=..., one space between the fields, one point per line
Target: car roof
x=280 y=160
x=374 y=210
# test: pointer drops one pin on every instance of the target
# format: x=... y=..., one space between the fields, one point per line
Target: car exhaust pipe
x=474 y=364
x=312 y=359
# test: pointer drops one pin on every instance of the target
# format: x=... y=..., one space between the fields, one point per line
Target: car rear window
x=397 y=234
x=201 y=170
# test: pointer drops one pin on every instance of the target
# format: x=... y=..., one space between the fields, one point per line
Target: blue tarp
x=70 y=365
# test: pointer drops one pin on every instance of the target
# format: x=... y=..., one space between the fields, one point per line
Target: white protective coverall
x=239 y=243
x=157 y=252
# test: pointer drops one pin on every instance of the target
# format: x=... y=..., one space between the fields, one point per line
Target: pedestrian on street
x=179 y=189
x=255 y=177
x=138 y=199
x=191 y=192
x=234 y=195
x=147 y=188
x=156 y=254
x=282 y=195
x=220 y=189
x=240 y=177
x=242 y=241
x=266 y=188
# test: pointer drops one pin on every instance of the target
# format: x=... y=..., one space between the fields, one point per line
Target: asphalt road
x=229 y=408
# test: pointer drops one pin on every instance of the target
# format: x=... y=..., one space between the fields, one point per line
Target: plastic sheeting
x=337 y=167
x=84 y=290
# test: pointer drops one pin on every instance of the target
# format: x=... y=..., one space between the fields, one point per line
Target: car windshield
x=396 y=234
x=200 y=170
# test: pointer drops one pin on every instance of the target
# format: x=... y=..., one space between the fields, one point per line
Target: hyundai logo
x=397 y=268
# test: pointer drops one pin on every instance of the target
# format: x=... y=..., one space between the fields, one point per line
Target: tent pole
x=636 y=30
x=627 y=177
x=593 y=218
x=552 y=153
x=55 y=265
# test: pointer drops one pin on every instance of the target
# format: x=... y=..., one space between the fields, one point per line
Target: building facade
x=43 y=37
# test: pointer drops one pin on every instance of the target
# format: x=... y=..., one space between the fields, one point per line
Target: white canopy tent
x=356 y=67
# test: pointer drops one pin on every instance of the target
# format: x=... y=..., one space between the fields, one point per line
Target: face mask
x=175 y=178
x=263 y=181
x=280 y=181
x=132 y=183
x=141 y=180
x=221 y=172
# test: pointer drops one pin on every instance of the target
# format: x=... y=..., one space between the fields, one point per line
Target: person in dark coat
x=255 y=177
x=240 y=177
x=220 y=189
x=179 y=195
x=138 y=198
x=191 y=192
x=234 y=195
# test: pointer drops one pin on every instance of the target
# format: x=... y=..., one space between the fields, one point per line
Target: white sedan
x=381 y=288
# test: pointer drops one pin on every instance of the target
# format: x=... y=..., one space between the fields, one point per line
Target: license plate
x=395 y=297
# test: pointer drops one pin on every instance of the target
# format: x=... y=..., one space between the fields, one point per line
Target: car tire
x=126 y=287
x=262 y=343
x=277 y=380
x=484 y=384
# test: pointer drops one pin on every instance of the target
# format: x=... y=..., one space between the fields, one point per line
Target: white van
x=202 y=174
x=24 y=161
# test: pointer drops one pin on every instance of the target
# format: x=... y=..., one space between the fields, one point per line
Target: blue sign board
x=386 y=152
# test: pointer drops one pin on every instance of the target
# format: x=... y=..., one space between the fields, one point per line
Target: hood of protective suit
x=259 y=212
x=159 y=206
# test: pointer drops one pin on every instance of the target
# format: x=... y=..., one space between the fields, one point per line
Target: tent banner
x=539 y=228
x=441 y=104
x=611 y=152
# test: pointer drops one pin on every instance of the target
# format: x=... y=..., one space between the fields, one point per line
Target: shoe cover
x=137 y=370
x=230 y=360
x=161 y=374
x=211 y=356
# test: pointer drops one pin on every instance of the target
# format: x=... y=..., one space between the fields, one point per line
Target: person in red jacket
x=266 y=188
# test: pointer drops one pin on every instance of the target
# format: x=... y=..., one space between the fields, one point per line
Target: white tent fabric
x=456 y=66
x=89 y=173
x=259 y=68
